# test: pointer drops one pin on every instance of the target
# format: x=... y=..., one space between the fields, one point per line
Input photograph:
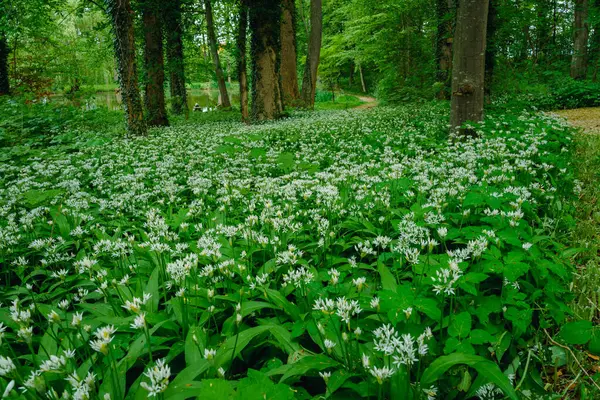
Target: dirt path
x=368 y=102
x=586 y=118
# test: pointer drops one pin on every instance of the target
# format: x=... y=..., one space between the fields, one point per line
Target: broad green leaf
x=460 y=325
x=387 y=279
x=483 y=366
x=239 y=342
x=279 y=300
x=284 y=338
x=152 y=288
x=579 y=332
x=317 y=362
x=184 y=380
x=248 y=307
x=192 y=349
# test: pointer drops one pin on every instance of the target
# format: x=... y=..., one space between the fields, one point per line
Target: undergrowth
x=340 y=254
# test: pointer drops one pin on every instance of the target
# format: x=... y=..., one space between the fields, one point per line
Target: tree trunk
x=468 y=65
x=362 y=79
x=289 y=74
x=242 y=61
x=121 y=16
x=443 y=51
x=580 y=41
x=309 y=80
x=175 y=64
x=212 y=42
x=351 y=75
x=490 y=51
x=265 y=16
x=154 y=65
x=4 y=50
x=595 y=48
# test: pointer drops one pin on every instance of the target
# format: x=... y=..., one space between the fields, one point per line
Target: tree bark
x=212 y=43
x=265 y=16
x=362 y=79
x=4 y=50
x=175 y=63
x=154 y=65
x=468 y=65
x=309 y=80
x=121 y=16
x=242 y=61
x=580 y=41
x=289 y=73
x=443 y=51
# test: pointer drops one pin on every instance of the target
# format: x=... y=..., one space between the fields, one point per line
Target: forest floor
x=368 y=102
x=586 y=118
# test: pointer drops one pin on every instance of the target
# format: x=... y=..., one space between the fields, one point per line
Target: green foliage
x=337 y=254
x=36 y=124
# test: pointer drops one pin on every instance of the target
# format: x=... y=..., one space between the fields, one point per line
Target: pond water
x=205 y=98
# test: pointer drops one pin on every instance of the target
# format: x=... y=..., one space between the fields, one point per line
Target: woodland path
x=368 y=102
x=586 y=118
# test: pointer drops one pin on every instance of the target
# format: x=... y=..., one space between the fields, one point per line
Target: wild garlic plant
x=363 y=254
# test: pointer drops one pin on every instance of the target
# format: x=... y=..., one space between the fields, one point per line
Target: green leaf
x=317 y=362
x=280 y=301
x=460 y=325
x=286 y=161
x=387 y=279
x=284 y=338
x=594 y=346
x=479 y=336
x=258 y=386
x=484 y=367
x=152 y=288
x=192 y=352
x=579 y=332
x=183 y=386
x=224 y=354
x=248 y=307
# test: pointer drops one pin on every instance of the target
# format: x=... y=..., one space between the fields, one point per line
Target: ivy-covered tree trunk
x=580 y=41
x=154 y=64
x=242 y=60
x=175 y=63
x=265 y=16
x=309 y=80
x=121 y=16
x=212 y=42
x=443 y=50
x=468 y=64
x=289 y=73
x=4 y=50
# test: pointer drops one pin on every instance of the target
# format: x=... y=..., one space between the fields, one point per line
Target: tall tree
x=242 y=61
x=4 y=50
x=443 y=50
x=468 y=64
x=289 y=74
x=214 y=50
x=580 y=40
x=309 y=80
x=265 y=16
x=154 y=64
x=121 y=16
x=175 y=64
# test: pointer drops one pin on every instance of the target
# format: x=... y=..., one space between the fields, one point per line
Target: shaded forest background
x=393 y=49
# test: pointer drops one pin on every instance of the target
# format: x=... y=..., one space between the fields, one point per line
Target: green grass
x=586 y=236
